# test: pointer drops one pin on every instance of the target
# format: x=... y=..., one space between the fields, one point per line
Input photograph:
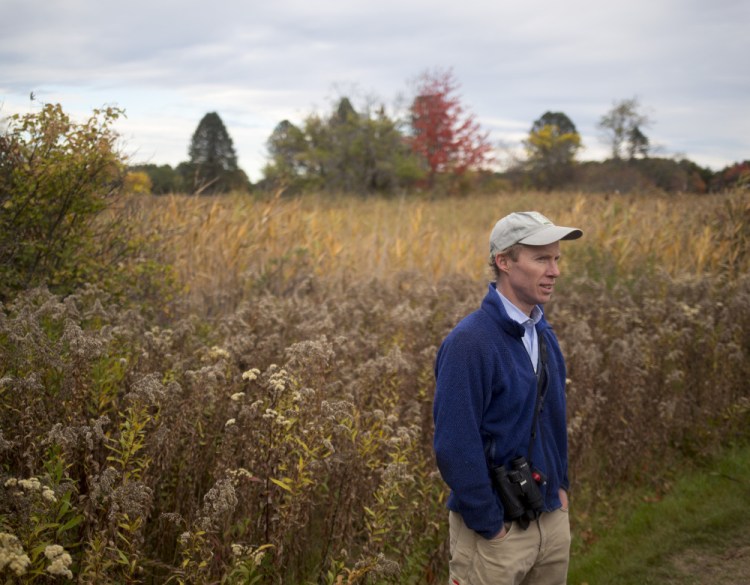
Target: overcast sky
x=255 y=63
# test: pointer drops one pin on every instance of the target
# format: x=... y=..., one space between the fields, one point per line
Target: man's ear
x=502 y=262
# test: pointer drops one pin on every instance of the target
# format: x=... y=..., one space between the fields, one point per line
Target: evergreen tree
x=213 y=162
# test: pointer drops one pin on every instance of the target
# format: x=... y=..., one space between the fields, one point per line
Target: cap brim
x=551 y=234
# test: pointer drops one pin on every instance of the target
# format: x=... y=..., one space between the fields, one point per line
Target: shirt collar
x=517 y=314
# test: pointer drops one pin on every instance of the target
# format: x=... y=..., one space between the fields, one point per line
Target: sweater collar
x=494 y=307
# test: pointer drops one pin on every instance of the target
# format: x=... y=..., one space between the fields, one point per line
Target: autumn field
x=258 y=407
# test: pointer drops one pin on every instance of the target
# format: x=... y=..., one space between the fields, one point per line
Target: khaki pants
x=535 y=556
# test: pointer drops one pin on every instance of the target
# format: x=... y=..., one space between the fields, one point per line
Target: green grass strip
x=686 y=538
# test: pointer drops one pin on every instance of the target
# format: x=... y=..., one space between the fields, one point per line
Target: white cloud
x=258 y=62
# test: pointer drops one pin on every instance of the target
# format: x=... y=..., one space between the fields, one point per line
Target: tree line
x=437 y=145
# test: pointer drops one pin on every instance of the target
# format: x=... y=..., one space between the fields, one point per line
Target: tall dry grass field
x=271 y=423
x=223 y=249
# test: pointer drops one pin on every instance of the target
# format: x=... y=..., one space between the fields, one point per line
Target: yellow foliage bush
x=137 y=183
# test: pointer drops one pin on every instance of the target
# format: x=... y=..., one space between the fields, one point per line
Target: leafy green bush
x=64 y=219
x=56 y=176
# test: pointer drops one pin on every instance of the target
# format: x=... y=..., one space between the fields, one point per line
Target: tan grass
x=232 y=243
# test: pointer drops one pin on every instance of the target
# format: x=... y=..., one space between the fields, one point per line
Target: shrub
x=138 y=183
x=290 y=441
x=56 y=176
x=64 y=220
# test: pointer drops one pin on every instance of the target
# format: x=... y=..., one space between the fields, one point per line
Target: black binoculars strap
x=541 y=383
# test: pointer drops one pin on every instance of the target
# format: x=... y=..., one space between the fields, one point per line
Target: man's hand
x=503 y=532
x=564 y=499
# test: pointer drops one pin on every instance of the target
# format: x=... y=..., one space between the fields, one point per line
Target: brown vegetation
x=272 y=424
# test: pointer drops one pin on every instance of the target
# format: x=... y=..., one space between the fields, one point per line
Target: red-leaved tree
x=448 y=138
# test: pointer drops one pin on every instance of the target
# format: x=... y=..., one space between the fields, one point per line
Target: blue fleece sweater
x=483 y=411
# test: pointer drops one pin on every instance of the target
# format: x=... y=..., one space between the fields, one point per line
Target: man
x=500 y=396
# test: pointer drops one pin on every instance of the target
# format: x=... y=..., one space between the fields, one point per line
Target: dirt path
x=729 y=567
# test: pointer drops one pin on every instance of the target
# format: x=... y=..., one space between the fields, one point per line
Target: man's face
x=529 y=280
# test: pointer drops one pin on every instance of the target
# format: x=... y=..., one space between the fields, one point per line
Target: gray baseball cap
x=530 y=228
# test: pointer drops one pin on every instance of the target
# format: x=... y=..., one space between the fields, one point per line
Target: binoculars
x=518 y=487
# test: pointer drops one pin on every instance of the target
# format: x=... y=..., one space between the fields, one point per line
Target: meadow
x=262 y=414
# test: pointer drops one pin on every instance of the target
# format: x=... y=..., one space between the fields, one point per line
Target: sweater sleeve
x=463 y=387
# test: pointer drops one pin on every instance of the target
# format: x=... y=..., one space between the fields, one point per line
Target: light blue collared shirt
x=530 y=341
